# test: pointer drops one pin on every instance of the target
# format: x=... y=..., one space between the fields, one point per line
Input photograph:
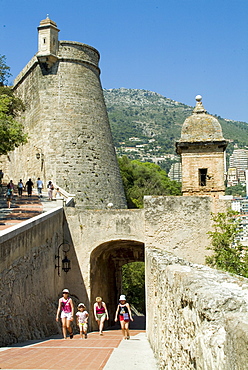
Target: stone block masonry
x=67 y=124
x=197 y=317
x=29 y=283
x=180 y=225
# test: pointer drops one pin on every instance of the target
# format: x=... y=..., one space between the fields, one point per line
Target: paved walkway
x=23 y=208
x=97 y=352
x=106 y=352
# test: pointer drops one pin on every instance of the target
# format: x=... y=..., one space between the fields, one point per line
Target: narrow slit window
x=203 y=176
x=44 y=41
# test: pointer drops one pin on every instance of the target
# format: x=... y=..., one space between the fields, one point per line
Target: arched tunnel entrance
x=106 y=263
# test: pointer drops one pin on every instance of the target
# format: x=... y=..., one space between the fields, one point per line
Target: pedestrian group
x=66 y=312
x=28 y=186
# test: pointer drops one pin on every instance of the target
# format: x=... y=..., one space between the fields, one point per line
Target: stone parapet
x=180 y=225
x=197 y=317
x=29 y=284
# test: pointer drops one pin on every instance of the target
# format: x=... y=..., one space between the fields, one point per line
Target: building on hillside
x=175 y=172
x=242 y=235
x=240 y=205
x=202 y=149
x=238 y=160
x=232 y=176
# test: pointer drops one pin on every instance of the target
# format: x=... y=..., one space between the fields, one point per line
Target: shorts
x=121 y=318
x=82 y=324
x=100 y=315
x=66 y=315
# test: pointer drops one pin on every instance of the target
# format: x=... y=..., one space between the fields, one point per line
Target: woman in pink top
x=67 y=311
x=101 y=313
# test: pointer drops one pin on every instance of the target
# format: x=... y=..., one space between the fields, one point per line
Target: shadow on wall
x=106 y=263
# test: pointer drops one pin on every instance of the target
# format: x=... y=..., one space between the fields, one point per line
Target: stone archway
x=105 y=270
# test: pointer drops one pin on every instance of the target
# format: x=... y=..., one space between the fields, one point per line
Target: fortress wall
x=91 y=228
x=180 y=224
x=197 y=317
x=22 y=162
x=67 y=124
x=29 y=284
x=104 y=240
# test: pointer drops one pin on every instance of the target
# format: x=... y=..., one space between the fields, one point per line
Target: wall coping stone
x=13 y=231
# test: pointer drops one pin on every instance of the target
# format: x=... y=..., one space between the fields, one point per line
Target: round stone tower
x=202 y=149
x=70 y=141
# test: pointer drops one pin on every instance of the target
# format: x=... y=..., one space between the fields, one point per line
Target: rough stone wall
x=197 y=317
x=104 y=240
x=29 y=284
x=67 y=124
x=180 y=224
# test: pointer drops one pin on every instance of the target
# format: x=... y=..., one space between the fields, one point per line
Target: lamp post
x=66 y=263
x=40 y=155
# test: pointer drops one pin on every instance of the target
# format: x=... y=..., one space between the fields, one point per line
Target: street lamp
x=66 y=263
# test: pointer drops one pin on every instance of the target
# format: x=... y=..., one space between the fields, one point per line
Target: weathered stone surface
x=67 y=125
x=103 y=242
x=180 y=224
x=29 y=284
x=196 y=316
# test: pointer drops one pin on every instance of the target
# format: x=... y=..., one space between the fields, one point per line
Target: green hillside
x=146 y=124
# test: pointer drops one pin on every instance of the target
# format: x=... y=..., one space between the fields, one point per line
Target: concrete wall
x=197 y=317
x=29 y=284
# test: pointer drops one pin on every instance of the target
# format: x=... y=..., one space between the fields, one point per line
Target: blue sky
x=176 y=48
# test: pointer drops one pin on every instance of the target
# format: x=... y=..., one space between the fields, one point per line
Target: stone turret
x=202 y=149
x=48 y=43
x=70 y=141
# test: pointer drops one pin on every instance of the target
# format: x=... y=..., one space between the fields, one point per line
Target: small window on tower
x=44 y=41
x=203 y=176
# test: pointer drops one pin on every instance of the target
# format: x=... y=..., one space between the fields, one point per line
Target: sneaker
x=71 y=336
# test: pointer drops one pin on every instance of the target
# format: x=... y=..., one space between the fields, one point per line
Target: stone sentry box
x=202 y=149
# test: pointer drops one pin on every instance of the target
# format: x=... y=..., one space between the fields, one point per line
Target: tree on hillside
x=11 y=131
x=236 y=190
x=4 y=71
x=228 y=253
x=147 y=178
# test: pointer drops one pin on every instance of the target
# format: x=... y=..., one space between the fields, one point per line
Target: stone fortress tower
x=70 y=141
x=202 y=149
